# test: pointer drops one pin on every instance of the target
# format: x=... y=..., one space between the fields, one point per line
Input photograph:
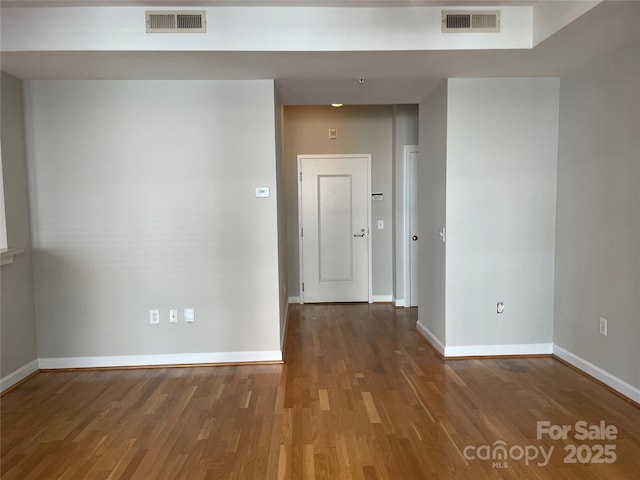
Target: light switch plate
x=262 y=192
x=189 y=315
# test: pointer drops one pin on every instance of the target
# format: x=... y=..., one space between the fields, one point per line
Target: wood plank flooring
x=362 y=396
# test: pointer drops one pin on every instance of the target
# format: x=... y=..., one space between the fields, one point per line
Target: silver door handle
x=358 y=234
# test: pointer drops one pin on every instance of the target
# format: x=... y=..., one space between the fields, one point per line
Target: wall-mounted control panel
x=262 y=192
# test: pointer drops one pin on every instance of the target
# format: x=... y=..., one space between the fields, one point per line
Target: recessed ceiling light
x=337 y=105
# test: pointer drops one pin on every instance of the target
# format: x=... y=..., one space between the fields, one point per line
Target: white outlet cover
x=173 y=316
x=603 y=326
x=154 y=317
x=189 y=315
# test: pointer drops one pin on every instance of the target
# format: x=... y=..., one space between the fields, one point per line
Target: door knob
x=414 y=238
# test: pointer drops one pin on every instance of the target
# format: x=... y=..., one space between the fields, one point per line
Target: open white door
x=411 y=241
x=334 y=228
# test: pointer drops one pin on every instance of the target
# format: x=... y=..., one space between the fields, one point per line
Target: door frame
x=300 y=226
x=406 y=244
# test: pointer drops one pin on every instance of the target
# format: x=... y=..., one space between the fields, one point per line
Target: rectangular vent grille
x=465 y=21
x=165 y=21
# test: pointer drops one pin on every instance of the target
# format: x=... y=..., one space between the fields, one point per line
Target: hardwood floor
x=361 y=396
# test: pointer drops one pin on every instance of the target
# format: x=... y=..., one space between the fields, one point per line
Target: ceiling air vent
x=466 y=21
x=169 y=21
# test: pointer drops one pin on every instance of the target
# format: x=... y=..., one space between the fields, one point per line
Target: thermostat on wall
x=262 y=192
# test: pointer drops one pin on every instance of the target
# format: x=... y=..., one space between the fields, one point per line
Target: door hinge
x=302 y=232
x=300 y=176
x=303 y=286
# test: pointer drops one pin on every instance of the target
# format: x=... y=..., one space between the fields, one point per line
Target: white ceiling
x=325 y=77
x=266 y=3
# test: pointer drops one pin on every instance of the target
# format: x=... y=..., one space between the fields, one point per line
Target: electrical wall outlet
x=154 y=317
x=173 y=316
x=500 y=307
x=603 y=326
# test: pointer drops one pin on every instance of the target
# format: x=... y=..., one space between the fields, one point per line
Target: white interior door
x=412 y=241
x=334 y=228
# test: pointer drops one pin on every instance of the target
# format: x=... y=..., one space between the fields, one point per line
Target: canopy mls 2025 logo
x=500 y=453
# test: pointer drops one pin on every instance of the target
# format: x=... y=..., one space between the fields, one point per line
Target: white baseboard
x=605 y=377
x=484 y=350
x=399 y=302
x=497 y=350
x=168 y=359
x=598 y=373
x=374 y=299
x=18 y=375
x=381 y=298
x=430 y=337
x=617 y=384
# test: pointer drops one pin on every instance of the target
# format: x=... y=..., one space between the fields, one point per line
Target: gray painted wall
x=405 y=132
x=142 y=196
x=598 y=222
x=17 y=321
x=282 y=223
x=367 y=129
x=501 y=206
x=432 y=214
